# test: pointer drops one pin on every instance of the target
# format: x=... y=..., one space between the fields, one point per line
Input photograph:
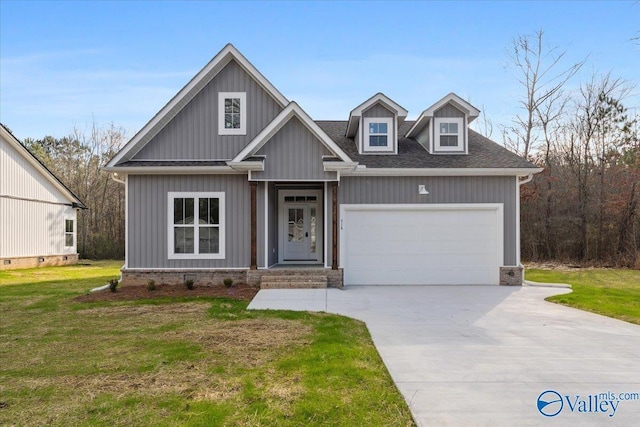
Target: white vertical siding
x=29 y=228
x=19 y=178
x=32 y=209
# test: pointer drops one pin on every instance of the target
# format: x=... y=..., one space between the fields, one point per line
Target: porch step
x=294 y=280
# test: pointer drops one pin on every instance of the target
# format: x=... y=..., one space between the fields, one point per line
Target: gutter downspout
x=521 y=182
x=118 y=180
x=113 y=177
x=527 y=179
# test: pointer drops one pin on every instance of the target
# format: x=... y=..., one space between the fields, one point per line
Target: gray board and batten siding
x=448 y=110
x=378 y=110
x=148 y=222
x=294 y=154
x=455 y=189
x=193 y=133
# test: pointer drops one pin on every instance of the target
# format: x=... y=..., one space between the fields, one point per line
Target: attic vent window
x=377 y=134
x=232 y=113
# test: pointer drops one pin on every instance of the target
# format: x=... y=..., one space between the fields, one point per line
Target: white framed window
x=378 y=134
x=196 y=225
x=69 y=233
x=449 y=134
x=232 y=113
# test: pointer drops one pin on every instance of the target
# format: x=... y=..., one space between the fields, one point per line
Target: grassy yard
x=200 y=362
x=610 y=292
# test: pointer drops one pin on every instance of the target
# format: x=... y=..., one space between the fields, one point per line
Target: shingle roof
x=133 y=163
x=483 y=153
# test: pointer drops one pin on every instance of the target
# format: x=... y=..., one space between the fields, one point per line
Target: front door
x=301 y=226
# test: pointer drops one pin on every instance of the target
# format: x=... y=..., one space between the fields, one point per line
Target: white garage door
x=421 y=244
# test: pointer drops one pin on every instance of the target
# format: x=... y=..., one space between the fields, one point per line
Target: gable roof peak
x=291 y=110
x=188 y=92
x=451 y=98
x=378 y=98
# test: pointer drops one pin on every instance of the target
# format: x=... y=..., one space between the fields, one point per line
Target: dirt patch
x=125 y=293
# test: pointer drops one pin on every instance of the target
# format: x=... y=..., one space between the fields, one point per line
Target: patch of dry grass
x=204 y=362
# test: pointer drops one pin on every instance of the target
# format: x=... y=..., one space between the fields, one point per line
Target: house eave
x=341 y=167
x=363 y=171
x=256 y=166
x=174 y=170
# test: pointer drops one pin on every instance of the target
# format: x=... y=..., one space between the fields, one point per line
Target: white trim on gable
x=46 y=173
x=292 y=110
x=469 y=110
x=356 y=113
x=188 y=92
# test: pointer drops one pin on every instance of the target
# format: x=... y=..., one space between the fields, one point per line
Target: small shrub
x=151 y=285
x=113 y=285
x=189 y=284
x=228 y=282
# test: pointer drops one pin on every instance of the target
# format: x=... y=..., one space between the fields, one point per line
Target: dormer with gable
x=374 y=125
x=443 y=128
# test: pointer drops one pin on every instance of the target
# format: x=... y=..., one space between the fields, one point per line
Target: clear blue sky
x=64 y=64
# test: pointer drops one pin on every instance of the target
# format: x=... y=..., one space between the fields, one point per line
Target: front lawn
x=188 y=361
x=610 y=292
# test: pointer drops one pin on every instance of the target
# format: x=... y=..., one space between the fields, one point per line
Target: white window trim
x=221 y=233
x=461 y=134
x=243 y=113
x=390 y=134
x=75 y=228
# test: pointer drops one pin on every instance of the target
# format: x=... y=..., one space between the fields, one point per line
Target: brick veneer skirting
x=210 y=277
x=9 y=263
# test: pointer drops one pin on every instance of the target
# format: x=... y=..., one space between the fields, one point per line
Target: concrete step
x=279 y=278
x=315 y=281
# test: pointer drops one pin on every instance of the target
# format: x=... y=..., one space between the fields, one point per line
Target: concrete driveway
x=484 y=355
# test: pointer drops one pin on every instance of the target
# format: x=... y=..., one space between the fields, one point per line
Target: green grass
x=610 y=292
x=204 y=362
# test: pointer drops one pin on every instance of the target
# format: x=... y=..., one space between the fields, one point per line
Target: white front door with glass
x=301 y=235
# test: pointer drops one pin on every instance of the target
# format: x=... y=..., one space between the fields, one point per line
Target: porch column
x=334 y=226
x=253 y=185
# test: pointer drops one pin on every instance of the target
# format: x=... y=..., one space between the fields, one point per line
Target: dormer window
x=232 y=113
x=377 y=134
x=448 y=134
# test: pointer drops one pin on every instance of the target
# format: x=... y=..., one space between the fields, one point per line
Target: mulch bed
x=125 y=293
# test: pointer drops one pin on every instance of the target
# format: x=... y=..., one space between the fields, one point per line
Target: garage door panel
x=422 y=246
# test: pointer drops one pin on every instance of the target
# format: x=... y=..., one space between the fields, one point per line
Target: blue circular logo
x=550 y=403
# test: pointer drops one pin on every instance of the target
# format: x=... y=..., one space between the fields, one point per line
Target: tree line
x=77 y=161
x=584 y=207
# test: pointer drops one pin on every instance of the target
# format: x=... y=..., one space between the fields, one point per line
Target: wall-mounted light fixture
x=422 y=189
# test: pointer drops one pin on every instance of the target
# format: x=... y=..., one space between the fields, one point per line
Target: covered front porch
x=294 y=234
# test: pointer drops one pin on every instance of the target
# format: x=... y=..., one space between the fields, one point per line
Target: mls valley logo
x=551 y=403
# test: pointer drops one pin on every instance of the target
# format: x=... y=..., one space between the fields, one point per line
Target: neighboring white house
x=38 y=213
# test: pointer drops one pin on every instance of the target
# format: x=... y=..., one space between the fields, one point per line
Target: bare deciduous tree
x=539 y=74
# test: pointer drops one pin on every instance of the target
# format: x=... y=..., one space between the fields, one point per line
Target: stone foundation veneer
x=211 y=277
x=511 y=276
x=37 y=261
